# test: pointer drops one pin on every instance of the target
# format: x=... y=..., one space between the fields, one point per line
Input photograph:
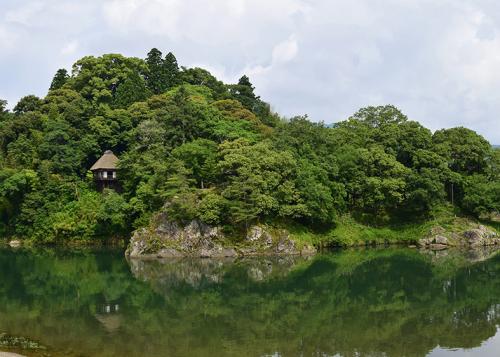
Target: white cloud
x=148 y=17
x=69 y=48
x=7 y=39
x=285 y=51
x=24 y=14
x=212 y=22
x=438 y=60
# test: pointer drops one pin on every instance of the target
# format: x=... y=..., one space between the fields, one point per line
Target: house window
x=114 y=174
x=104 y=174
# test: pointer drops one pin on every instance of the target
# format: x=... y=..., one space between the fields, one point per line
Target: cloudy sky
x=437 y=60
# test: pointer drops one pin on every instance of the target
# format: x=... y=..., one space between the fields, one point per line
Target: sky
x=436 y=60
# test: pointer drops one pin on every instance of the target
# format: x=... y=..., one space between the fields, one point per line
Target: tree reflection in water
x=393 y=302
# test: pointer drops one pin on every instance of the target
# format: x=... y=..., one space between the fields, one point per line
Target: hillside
x=194 y=148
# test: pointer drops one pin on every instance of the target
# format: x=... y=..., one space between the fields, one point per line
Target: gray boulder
x=441 y=240
x=481 y=236
x=434 y=237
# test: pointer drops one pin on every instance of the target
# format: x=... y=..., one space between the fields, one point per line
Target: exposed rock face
x=481 y=236
x=167 y=239
x=475 y=237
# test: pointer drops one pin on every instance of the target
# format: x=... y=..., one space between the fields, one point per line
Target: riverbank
x=165 y=238
x=349 y=232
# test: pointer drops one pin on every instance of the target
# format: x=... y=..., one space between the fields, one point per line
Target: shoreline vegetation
x=167 y=239
x=207 y=156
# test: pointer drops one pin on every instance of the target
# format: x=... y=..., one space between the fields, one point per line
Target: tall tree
x=154 y=76
x=244 y=92
x=171 y=71
x=60 y=78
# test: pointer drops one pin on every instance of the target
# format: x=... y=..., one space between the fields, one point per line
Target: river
x=378 y=302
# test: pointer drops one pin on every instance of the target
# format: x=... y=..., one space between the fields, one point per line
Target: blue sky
x=438 y=61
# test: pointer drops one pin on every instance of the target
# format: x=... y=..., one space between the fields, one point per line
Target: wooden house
x=105 y=171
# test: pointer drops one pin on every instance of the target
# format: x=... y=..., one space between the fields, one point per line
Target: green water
x=394 y=302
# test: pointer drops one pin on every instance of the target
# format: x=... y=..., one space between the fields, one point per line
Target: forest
x=197 y=148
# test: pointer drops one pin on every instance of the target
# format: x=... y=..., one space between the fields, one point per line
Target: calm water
x=351 y=303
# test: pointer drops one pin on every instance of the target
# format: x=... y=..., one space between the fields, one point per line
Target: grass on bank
x=350 y=232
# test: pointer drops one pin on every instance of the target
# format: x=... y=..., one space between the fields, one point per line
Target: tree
x=170 y=71
x=29 y=103
x=154 y=75
x=200 y=156
x=322 y=197
x=15 y=185
x=494 y=165
x=132 y=90
x=65 y=149
x=60 y=79
x=162 y=74
x=376 y=182
x=466 y=151
x=379 y=116
x=385 y=126
x=69 y=105
x=97 y=78
x=22 y=152
x=481 y=196
x=201 y=77
x=259 y=182
x=244 y=92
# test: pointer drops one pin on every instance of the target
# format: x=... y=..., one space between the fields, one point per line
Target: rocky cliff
x=166 y=238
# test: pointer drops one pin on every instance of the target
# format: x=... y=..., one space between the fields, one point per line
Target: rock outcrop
x=481 y=236
x=168 y=239
x=439 y=239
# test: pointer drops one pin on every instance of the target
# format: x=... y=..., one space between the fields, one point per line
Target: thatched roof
x=107 y=161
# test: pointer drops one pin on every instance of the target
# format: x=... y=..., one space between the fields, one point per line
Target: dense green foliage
x=198 y=148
